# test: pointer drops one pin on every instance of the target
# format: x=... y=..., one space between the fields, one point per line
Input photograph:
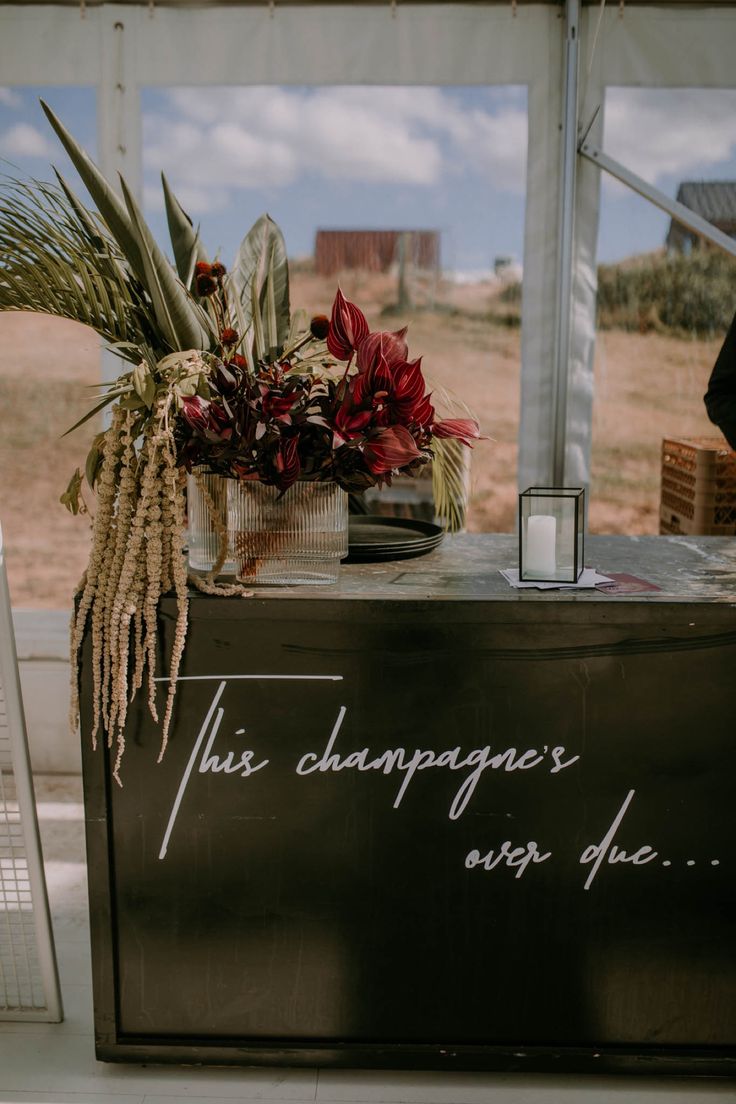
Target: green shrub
x=693 y=294
x=677 y=294
x=511 y=293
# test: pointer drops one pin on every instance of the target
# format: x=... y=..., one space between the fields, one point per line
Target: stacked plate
x=374 y=538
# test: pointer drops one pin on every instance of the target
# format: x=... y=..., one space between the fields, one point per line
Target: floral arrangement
x=221 y=377
x=290 y=418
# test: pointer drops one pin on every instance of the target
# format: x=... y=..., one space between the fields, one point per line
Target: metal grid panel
x=21 y=983
x=29 y=983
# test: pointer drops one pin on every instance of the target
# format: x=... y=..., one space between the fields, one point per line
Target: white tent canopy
x=120 y=48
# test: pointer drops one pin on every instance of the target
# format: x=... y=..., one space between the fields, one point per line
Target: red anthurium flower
x=409 y=391
x=390 y=448
x=208 y=419
x=277 y=406
x=423 y=413
x=219 y=427
x=286 y=462
x=348 y=327
x=350 y=423
x=374 y=386
x=196 y=412
x=396 y=394
x=390 y=346
x=466 y=430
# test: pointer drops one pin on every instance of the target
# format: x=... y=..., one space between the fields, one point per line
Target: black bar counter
x=420 y=819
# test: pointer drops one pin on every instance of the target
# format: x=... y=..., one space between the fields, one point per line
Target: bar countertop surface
x=467 y=567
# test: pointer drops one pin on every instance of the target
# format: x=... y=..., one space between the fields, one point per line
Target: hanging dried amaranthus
x=137 y=549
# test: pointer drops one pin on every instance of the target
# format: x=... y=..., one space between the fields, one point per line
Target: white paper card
x=587 y=580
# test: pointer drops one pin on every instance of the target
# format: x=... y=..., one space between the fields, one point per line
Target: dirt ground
x=646 y=387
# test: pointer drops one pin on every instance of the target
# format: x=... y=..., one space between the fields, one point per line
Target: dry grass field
x=647 y=387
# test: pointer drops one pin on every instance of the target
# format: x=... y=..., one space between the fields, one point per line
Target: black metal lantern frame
x=551 y=534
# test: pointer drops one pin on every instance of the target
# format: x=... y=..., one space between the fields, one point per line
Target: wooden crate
x=698 y=491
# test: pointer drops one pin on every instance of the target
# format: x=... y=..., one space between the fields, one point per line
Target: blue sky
x=446 y=158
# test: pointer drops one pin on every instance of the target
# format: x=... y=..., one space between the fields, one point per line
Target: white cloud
x=215 y=141
x=670 y=132
x=195 y=200
x=497 y=145
x=23 y=140
x=9 y=98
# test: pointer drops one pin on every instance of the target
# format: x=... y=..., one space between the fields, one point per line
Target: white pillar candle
x=541 y=534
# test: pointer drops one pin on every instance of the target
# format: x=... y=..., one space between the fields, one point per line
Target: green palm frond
x=182 y=322
x=450 y=465
x=58 y=258
x=109 y=204
x=449 y=482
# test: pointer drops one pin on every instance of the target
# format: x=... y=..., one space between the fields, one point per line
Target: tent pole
x=566 y=225
x=118 y=121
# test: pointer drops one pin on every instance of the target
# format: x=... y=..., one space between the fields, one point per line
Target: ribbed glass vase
x=296 y=539
x=207 y=513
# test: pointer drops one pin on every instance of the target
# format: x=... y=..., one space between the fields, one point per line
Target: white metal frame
x=29 y=980
x=677 y=210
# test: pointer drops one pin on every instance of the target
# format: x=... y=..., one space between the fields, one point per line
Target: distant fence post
x=404 y=298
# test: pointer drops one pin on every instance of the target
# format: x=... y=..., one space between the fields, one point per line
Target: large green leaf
x=185 y=240
x=259 y=343
x=180 y=319
x=270 y=321
x=108 y=203
x=262 y=250
x=245 y=331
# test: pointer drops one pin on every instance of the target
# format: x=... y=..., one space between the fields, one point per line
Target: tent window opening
x=411 y=198
x=666 y=292
x=46 y=367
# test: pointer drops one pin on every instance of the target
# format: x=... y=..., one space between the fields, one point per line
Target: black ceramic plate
x=373 y=538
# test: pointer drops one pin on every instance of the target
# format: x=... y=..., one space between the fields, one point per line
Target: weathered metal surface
x=468 y=566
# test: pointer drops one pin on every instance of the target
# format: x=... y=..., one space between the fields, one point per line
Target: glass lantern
x=551 y=525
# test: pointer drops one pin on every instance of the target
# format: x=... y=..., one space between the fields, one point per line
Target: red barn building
x=375 y=250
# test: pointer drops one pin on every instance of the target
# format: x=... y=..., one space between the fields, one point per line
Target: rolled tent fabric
x=539 y=307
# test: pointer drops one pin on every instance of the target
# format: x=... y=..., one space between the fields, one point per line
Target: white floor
x=55 y=1063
